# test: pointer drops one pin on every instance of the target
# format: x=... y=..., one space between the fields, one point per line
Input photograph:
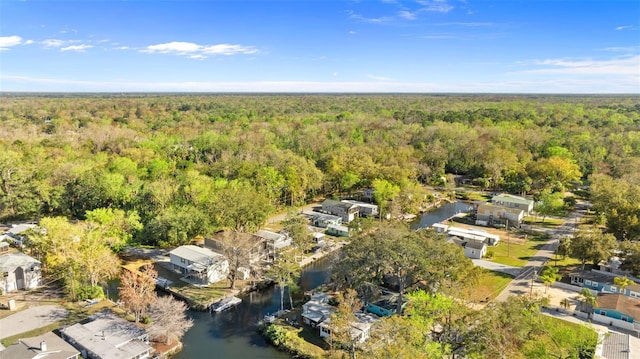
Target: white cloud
x=378 y=78
x=351 y=32
x=228 y=49
x=56 y=42
x=628 y=65
x=8 y=41
x=625 y=27
x=122 y=48
x=28 y=42
x=175 y=46
x=568 y=86
x=435 y=6
x=196 y=51
x=79 y=48
x=407 y=15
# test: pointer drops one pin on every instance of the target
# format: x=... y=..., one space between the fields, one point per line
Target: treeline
x=189 y=165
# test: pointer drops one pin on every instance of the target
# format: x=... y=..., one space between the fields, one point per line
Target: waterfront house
x=323 y=220
x=19 y=271
x=275 y=241
x=364 y=209
x=511 y=201
x=360 y=328
x=347 y=211
x=317 y=309
x=470 y=234
x=45 y=346
x=491 y=215
x=474 y=249
x=258 y=247
x=201 y=264
x=602 y=282
x=618 y=310
x=440 y=227
x=338 y=231
x=107 y=336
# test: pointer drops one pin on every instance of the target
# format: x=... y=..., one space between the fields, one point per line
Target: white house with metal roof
x=108 y=336
x=198 y=263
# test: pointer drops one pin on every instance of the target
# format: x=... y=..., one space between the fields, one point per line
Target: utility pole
x=508 y=238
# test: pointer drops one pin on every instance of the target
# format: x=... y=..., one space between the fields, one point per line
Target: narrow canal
x=232 y=334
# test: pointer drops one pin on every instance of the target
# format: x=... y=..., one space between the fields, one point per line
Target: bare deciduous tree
x=169 y=319
x=137 y=290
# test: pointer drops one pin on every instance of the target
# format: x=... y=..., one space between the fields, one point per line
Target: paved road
x=524 y=282
x=30 y=319
x=497 y=267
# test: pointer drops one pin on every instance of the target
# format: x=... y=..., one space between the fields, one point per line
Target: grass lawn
x=548 y=222
x=490 y=285
x=517 y=254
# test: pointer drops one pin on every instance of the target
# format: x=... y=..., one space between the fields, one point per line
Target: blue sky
x=528 y=46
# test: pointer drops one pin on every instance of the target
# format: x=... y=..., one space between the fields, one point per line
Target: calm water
x=232 y=334
x=440 y=214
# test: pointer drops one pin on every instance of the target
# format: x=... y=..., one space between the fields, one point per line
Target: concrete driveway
x=503 y=268
x=30 y=319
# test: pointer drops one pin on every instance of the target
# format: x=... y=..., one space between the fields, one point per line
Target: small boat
x=224 y=303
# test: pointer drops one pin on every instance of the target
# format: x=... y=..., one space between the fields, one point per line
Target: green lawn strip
x=517 y=254
x=32 y=333
x=490 y=285
x=548 y=222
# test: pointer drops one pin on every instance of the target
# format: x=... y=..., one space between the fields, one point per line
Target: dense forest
x=172 y=167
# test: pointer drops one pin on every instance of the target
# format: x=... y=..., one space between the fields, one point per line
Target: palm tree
x=565 y=303
x=622 y=282
x=588 y=300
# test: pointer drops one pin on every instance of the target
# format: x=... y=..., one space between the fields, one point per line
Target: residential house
x=384 y=305
x=601 y=282
x=474 y=249
x=511 y=201
x=489 y=214
x=4 y=248
x=618 y=310
x=275 y=241
x=616 y=346
x=338 y=231
x=107 y=336
x=317 y=309
x=201 y=264
x=440 y=227
x=323 y=220
x=470 y=234
x=45 y=346
x=365 y=209
x=360 y=328
x=318 y=240
x=347 y=211
x=258 y=247
x=19 y=271
x=17 y=232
